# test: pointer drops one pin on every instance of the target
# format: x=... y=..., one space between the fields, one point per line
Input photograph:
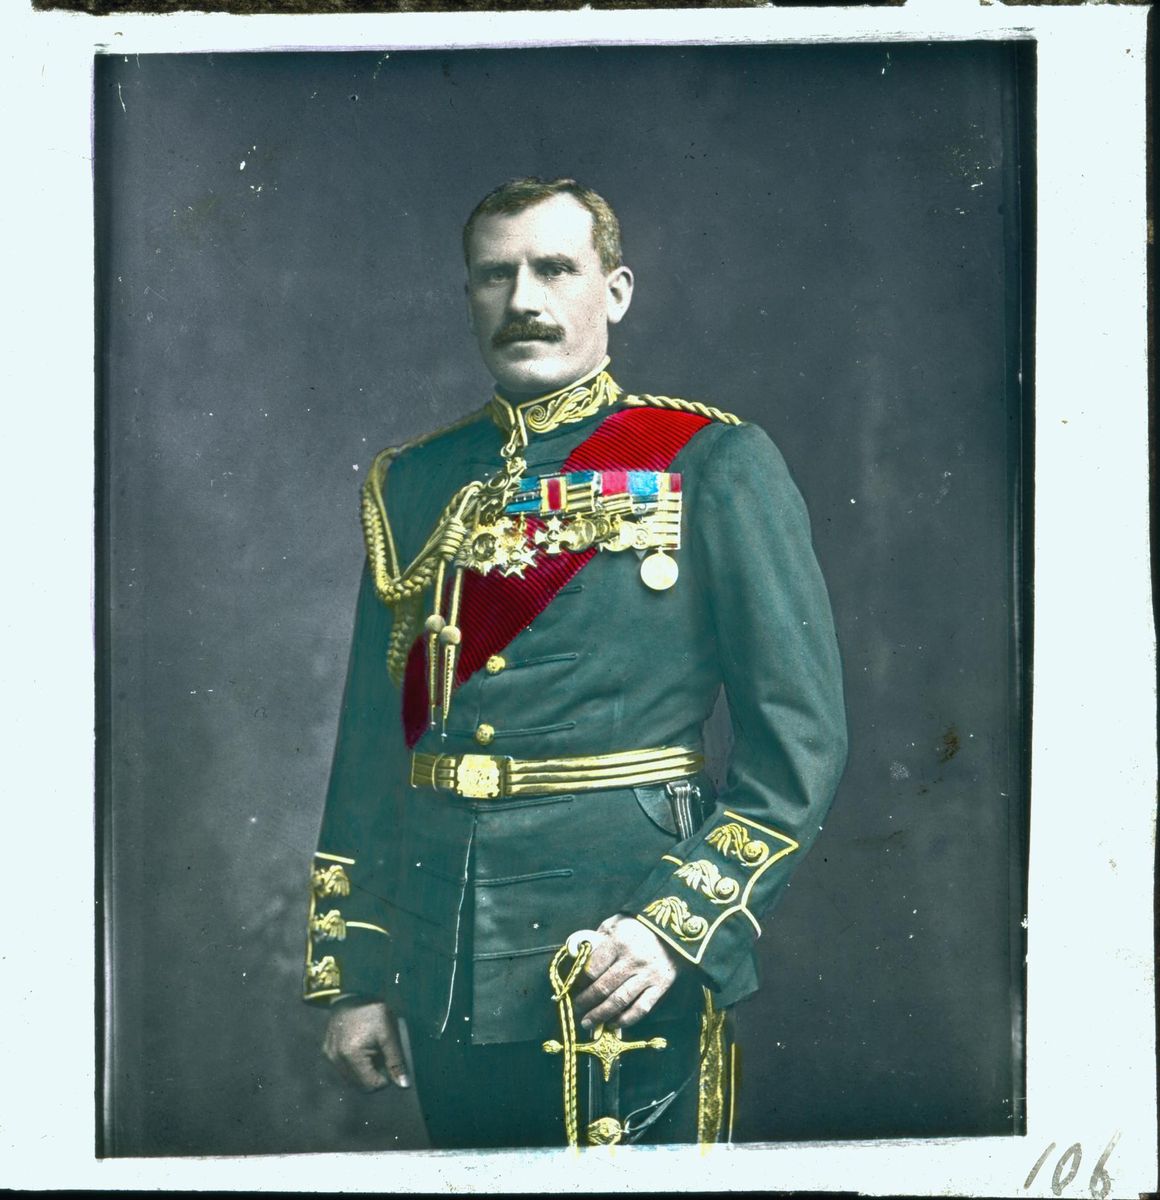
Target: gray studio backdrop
x=826 y=241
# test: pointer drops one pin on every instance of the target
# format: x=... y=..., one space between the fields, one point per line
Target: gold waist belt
x=490 y=776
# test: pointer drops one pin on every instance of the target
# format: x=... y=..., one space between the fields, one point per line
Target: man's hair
x=518 y=194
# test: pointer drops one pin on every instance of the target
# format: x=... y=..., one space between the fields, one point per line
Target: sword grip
x=681 y=793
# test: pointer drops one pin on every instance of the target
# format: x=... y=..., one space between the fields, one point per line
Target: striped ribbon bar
x=583 y=491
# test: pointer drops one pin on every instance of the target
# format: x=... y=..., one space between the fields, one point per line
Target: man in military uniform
x=521 y=849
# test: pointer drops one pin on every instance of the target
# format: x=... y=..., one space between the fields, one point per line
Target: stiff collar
x=567 y=405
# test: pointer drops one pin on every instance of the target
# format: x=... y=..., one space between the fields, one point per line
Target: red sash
x=495 y=607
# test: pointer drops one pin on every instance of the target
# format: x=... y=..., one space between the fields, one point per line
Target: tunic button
x=495 y=664
x=484 y=735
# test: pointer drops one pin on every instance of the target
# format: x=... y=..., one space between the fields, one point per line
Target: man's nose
x=527 y=294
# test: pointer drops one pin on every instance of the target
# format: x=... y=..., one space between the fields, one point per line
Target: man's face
x=539 y=301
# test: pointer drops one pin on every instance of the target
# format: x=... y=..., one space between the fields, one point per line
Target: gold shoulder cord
x=690 y=406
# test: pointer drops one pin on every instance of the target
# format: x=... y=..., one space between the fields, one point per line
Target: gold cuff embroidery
x=323 y=974
x=326 y=881
x=732 y=839
x=329 y=927
x=673 y=913
x=702 y=876
x=329 y=881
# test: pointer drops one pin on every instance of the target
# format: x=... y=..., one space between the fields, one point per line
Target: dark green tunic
x=610 y=665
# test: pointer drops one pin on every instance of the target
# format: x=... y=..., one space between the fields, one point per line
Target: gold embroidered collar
x=566 y=406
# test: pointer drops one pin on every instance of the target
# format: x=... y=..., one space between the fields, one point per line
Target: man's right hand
x=361 y=1036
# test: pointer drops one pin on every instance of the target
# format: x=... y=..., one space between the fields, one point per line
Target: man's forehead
x=558 y=222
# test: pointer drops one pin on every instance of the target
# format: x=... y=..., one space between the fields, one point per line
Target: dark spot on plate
x=948 y=745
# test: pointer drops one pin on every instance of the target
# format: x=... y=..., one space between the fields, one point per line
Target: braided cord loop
x=562 y=995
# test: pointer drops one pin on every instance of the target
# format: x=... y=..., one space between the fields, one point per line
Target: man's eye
x=552 y=270
x=494 y=275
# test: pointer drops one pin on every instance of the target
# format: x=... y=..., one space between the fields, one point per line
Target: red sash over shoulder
x=496 y=607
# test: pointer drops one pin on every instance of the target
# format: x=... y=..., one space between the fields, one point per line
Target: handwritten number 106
x=1067 y=1168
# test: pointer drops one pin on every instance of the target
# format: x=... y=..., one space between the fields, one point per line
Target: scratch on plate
x=122 y=99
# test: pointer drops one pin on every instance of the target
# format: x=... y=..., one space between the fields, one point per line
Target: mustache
x=521 y=329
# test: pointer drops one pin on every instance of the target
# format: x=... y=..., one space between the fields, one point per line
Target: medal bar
x=611 y=510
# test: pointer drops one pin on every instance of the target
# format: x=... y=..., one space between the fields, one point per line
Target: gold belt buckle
x=479 y=776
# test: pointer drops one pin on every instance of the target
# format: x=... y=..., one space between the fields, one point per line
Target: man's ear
x=618 y=293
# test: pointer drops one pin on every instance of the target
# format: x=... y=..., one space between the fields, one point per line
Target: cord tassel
x=434 y=626
x=450 y=636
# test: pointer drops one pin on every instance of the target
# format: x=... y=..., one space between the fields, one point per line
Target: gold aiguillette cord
x=443 y=634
